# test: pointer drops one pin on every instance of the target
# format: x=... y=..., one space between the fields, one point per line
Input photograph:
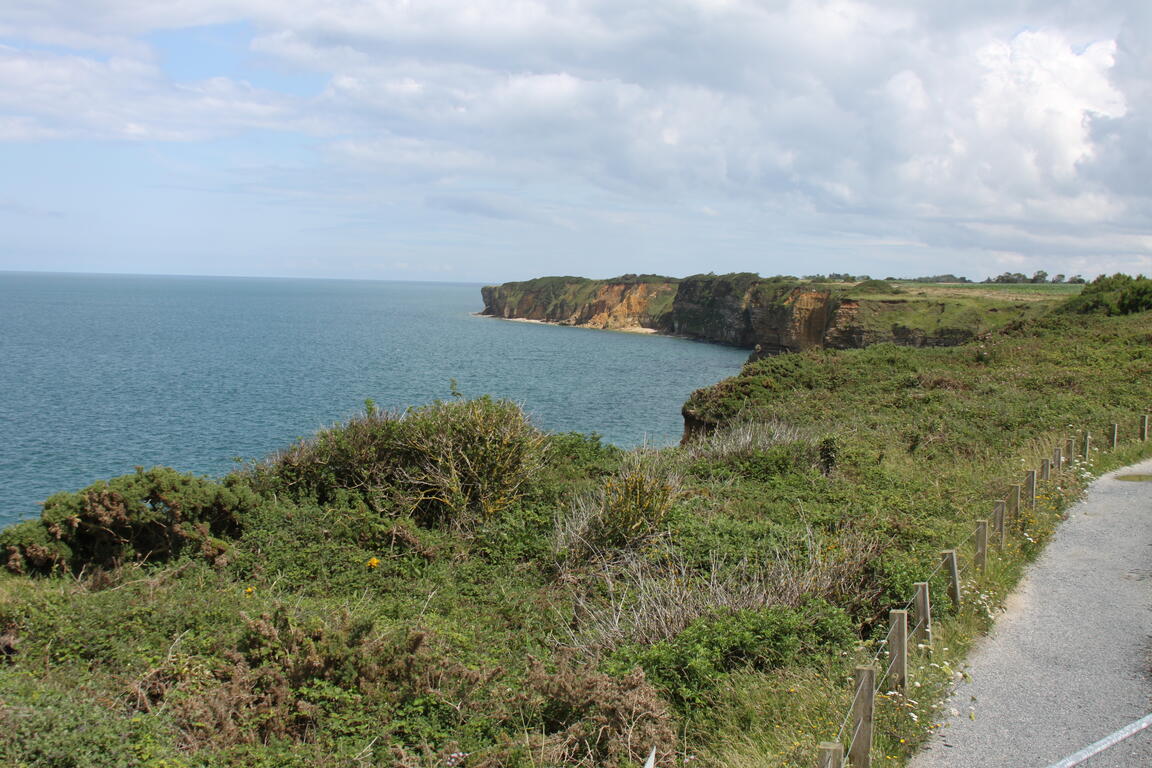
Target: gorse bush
x=356 y=460
x=590 y=718
x=470 y=459
x=151 y=515
x=56 y=730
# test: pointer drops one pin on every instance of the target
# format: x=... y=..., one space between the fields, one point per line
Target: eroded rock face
x=619 y=306
x=793 y=321
x=716 y=309
x=593 y=304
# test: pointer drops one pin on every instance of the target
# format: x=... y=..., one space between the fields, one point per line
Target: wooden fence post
x=981 y=557
x=1069 y=449
x=831 y=754
x=1143 y=428
x=860 y=750
x=1030 y=488
x=1115 y=436
x=952 y=570
x=1045 y=469
x=898 y=648
x=1087 y=445
x=1013 y=500
x=923 y=628
x=1057 y=458
x=998 y=523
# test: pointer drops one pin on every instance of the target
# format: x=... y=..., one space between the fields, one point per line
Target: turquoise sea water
x=101 y=373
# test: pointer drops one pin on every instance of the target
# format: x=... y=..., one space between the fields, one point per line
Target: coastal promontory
x=770 y=314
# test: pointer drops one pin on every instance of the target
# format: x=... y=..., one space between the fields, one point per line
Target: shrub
x=152 y=515
x=471 y=459
x=295 y=675
x=353 y=460
x=690 y=664
x=627 y=510
x=590 y=718
x=51 y=729
x=450 y=464
x=1117 y=294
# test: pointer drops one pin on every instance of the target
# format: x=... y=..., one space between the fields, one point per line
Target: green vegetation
x=1114 y=295
x=449 y=586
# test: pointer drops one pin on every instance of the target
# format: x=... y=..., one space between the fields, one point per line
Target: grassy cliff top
x=1011 y=291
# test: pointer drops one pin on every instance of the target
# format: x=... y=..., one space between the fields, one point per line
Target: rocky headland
x=769 y=315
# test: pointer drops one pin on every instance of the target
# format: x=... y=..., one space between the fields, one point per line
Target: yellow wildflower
x=373 y=562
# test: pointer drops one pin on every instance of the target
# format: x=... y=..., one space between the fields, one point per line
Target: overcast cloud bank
x=499 y=139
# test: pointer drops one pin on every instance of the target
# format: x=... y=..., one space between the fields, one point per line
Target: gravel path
x=1068 y=662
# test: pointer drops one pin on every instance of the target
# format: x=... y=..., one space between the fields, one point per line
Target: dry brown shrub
x=594 y=719
x=256 y=693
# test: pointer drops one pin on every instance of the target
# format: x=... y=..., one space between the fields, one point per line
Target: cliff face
x=768 y=315
x=624 y=304
x=860 y=323
x=746 y=311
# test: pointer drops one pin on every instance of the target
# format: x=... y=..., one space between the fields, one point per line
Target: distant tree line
x=1040 y=276
x=935 y=279
x=844 y=277
x=836 y=277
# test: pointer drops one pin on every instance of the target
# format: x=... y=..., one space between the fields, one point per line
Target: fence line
x=861 y=711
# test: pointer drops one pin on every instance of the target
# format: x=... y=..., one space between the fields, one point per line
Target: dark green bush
x=1117 y=294
x=50 y=729
x=152 y=515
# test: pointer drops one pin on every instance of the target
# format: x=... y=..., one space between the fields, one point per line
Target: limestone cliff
x=626 y=303
x=768 y=315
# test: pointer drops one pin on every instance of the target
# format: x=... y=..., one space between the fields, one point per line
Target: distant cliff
x=771 y=315
x=629 y=302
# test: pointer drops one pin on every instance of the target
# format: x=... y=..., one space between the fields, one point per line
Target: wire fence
x=858 y=720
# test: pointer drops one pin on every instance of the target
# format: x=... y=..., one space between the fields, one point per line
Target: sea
x=100 y=374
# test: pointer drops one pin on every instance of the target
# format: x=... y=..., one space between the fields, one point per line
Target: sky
x=495 y=140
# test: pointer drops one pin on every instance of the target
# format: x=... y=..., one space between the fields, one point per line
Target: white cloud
x=52 y=95
x=956 y=122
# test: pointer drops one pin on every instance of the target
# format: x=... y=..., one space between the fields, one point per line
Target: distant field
x=1023 y=291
